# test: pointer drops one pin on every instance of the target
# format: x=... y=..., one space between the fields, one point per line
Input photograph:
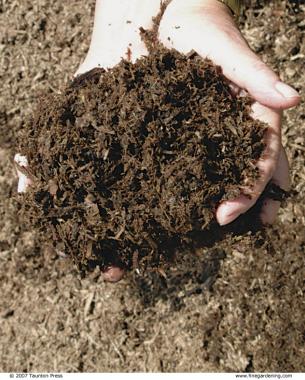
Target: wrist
x=200 y=6
x=214 y=13
x=117 y=23
x=116 y=32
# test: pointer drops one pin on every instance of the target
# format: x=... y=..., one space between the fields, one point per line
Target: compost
x=129 y=165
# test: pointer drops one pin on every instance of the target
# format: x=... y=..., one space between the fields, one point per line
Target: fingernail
x=226 y=214
x=113 y=274
x=23 y=183
x=21 y=160
x=286 y=91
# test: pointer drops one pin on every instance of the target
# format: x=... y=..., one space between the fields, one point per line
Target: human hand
x=116 y=35
x=116 y=32
x=207 y=26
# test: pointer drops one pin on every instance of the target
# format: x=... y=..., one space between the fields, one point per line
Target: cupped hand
x=116 y=32
x=116 y=35
x=208 y=27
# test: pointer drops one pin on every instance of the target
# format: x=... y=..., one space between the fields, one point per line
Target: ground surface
x=240 y=310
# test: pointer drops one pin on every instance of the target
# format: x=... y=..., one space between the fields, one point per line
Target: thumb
x=248 y=71
x=212 y=33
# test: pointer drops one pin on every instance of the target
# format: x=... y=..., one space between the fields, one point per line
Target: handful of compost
x=130 y=162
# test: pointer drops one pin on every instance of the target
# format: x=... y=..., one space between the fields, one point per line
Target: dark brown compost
x=129 y=164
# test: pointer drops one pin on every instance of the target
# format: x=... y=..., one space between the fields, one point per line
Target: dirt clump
x=127 y=164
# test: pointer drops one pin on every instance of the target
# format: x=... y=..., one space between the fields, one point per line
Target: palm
x=208 y=28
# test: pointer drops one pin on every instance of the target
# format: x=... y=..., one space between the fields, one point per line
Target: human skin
x=208 y=27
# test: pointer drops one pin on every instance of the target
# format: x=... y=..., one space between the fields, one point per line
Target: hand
x=116 y=33
x=115 y=36
x=207 y=26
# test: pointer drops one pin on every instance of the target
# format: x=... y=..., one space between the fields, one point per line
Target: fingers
x=23 y=180
x=249 y=72
x=267 y=165
x=210 y=30
x=282 y=179
x=113 y=274
x=246 y=70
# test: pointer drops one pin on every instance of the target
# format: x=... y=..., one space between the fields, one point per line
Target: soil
x=238 y=307
x=134 y=161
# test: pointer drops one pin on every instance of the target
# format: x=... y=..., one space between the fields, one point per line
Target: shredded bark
x=130 y=164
